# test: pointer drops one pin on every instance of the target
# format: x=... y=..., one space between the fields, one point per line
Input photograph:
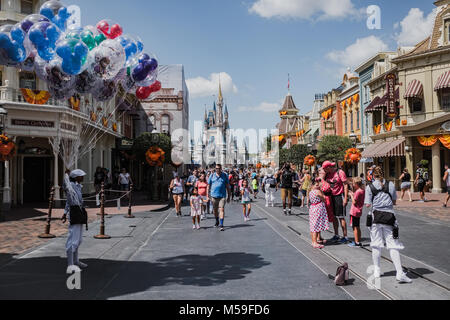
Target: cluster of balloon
x=85 y=60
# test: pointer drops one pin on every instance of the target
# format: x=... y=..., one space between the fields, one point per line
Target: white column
x=56 y=176
x=436 y=167
x=7 y=188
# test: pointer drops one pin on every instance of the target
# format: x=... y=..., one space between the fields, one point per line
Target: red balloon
x=143 y=92
x=156 y=86
x=104 y=27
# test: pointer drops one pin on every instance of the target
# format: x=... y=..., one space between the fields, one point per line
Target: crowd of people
x=325 y=190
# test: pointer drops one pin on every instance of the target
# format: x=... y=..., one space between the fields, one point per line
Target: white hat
x=77 y=173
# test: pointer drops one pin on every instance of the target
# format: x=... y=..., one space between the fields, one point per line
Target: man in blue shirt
x=218 y=187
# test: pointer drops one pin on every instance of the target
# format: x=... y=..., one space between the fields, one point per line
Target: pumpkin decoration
x=352 y=156
x=35 y=96
x=377 y=129
x=388 y=126
x=155 y=156
x=259 y=166
x=114 y=127
x=404 y=122
x=93 y=117
x=105 y=122
x=310 y=160
x=7 y=148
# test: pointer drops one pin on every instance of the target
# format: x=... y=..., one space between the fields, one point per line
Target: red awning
x=378 y=103
x=443 y=81
x=414 y=90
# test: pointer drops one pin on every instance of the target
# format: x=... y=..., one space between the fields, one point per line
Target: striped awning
x=374 y=105
x=414 y=90
x=443 y=81
x=394 y=148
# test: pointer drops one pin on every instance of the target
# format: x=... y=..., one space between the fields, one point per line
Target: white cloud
x=415 y=27
x=202 y=87
x=304 y=9
x=358 y=52
x=263 y=107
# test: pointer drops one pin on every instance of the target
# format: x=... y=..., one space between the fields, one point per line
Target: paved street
x=159 y=256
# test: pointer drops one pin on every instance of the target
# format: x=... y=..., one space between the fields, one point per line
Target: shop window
x=26 y=6
x=351 y=121
x=151 y=123
x=445 y=99
x=357 y=119
x=377 y=118
x=447 y=31
x=392 y=172
x=415 y=104
x=165 y=124
x=27 y=80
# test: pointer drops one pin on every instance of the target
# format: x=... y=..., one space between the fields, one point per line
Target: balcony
x=14 y=99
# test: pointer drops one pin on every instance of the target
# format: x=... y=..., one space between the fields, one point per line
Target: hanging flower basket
x=114 y=127
x=155 y=156
x=105 y=122
x=7 y=148
x=310 y=160
x=258 y=165
x=93 y=117
x=352 y=156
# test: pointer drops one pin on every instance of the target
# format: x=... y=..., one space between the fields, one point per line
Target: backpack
x=375 y=191
x=286 y=179
x=342 y=275
x=272 y=182
x=425 y=175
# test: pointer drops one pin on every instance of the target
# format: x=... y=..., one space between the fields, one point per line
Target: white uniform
x=270 y=192
x=75 y=237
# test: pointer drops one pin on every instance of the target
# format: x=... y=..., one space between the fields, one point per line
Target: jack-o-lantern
x=155 y=156
x=310 y=160
x=352 y=156
x=7 y=148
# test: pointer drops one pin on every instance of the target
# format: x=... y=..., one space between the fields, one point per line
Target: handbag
x=382 y=217
x=78 y=215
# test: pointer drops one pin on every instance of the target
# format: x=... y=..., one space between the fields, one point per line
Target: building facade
x=292 y=127
x=331 y=114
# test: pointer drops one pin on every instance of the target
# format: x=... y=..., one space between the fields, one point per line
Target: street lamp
x=354 y=138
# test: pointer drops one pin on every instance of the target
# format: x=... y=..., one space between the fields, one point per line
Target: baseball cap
x=77 y=173
x=328 y=164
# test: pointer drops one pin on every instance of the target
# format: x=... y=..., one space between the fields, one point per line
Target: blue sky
x=258 y=42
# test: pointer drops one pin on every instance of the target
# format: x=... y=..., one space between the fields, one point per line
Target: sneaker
x=267 y=205
x=198 y=227
x=354 y=244
x=335 y=238
x=222 y=228
x=193 y=226
x=343 y=240
x=82 y=265
x=290 y=212
x=444 y=205
x=285 y=212
x=404 y=279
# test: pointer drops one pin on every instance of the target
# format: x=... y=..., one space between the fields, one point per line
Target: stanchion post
x=47 y=234
x=129 y=215
x=102 y=213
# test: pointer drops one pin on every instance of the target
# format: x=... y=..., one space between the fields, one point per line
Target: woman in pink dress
x=326 y=189
x=318 y=219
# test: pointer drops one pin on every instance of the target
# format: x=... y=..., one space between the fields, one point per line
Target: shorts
x=448 y=190
x=405 y=185
x=304 y=192
x=421 y=186
x=286 y=193
x=246 y=202
x=338 y=206
x=355 y=221
x=381 y=234
x=218 y=203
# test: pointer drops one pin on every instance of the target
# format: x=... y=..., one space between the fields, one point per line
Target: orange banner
x=388 y=126
x=35 y=97
x=377 y=129
x=427 y=141
x=445 y=140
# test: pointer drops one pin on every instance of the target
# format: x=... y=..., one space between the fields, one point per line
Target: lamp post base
x=46 y=236
x=102 y=236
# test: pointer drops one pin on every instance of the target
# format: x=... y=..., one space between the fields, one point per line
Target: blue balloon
x=144 y=68
x=30 y=20
x=59 y=19
x=43 y=36
x=73 y=53
x=12 y=49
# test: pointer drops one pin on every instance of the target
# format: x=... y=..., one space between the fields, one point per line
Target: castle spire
x=220 y=90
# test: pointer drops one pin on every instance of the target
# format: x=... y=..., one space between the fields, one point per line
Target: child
x=318 y=218
x=196 y=209
x=255 y=186
x=246 y=202
x=357 y=197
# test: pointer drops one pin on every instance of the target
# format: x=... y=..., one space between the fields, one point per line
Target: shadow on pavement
x=45 y=278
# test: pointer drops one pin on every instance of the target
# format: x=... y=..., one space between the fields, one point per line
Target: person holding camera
x=381 y=196
x=287 y=180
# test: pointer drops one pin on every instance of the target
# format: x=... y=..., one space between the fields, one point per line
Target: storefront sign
x=68 y=127
x=391 y=108
x=124 y=144
x=32 y=123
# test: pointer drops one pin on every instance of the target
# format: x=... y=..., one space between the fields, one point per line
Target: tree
x=295 y=155
x=147 y=140
x=333 y=148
